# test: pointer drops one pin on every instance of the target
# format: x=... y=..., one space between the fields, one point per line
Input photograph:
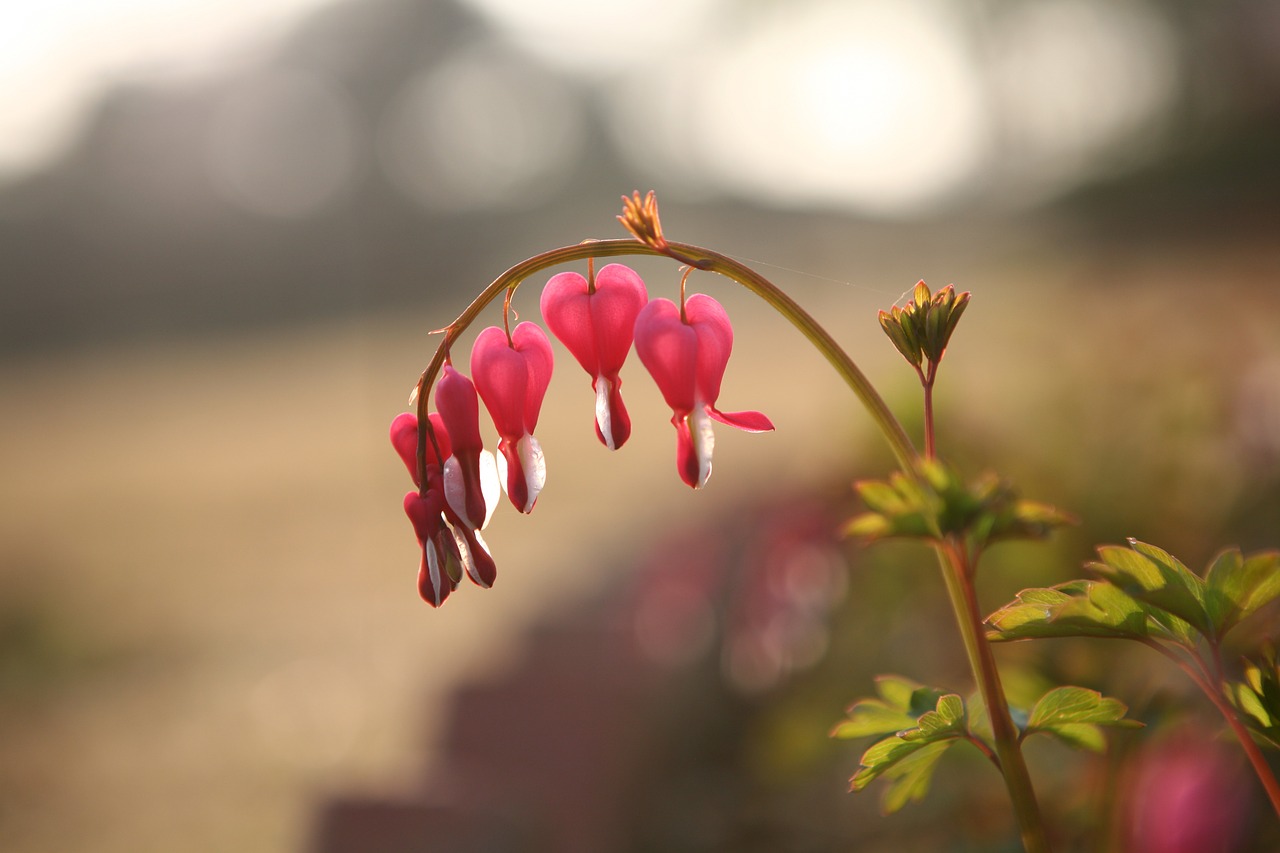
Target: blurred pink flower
x=1187 y=794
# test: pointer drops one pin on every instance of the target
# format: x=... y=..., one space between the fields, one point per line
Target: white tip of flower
x=468 y=560
x=704 y=442
x=603 y=420
x=435 y=573
x=535 y=467
x=490 y=485
x=455 y=489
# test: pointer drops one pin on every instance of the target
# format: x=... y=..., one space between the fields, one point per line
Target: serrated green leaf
x=911 y=777
x=1072 y=704
x=1237 y=586
x=1154 y=577
x=1078 y=735
x=946 y=721
x=879 y=757
x=872 y=717
x=1075 y=609
x=897 y=691
x=1074 y=715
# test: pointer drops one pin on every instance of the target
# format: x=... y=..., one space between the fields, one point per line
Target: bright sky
x=884 y=106
x=56 y=56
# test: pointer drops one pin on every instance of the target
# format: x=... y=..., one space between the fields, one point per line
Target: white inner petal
x=535 y=467
x=602 y=411
x=704 y=441
x=491 y=483
x=455 y=490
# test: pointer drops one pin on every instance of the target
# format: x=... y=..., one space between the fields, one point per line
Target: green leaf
x=872 y=717
x=1154 y=577
x=898 y=691
x=1075 y=705
x=906 y=758
x=1085 y=736
x=1074 y=715
x=1075 y=609
x=948 y=720
x=1237 y=586
x=1258 y=697
x=911 y=777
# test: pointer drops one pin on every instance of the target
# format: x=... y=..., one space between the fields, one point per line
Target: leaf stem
x=958 y=577
x=1210 y=683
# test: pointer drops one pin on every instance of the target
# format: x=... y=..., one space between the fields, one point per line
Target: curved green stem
x=957 y=574
x=703 y=259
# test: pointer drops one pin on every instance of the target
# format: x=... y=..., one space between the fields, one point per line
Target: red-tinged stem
x=958 y=576
x=1210 y=683
x=700 y=258
x=926 y=380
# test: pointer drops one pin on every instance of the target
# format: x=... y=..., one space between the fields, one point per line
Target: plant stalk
x=964 y=601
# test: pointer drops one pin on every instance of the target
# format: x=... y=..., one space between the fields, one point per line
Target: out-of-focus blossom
x=595 y=320
x=686 y=351
x=1187 y=794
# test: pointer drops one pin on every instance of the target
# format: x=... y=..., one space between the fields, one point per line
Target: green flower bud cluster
x=921 y=330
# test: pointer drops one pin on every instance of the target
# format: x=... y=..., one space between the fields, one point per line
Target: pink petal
x=596 y=327
x=460 y=412
x=566 y=309
x=502 y=379
x=745 y=421
x=669 y=351
x=531 y=343
x=715 y=342
x=620 y=295
x=404 y=437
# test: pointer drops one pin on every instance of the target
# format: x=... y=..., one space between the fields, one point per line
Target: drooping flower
x=512 y=378
x=449 y=545
x=460 y=412
x=686 y=353
x=596 y=321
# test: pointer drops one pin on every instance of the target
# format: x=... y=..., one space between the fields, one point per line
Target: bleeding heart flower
x=595 y=322
x=449 y=545
x=512 y=378
x=686 y=353
x=464 y=487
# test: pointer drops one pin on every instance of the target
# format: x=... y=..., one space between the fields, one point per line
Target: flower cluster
x=598 y=318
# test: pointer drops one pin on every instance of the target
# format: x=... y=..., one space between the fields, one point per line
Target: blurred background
x=227 y=229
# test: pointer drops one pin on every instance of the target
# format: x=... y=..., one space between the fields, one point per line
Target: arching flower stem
x=698 y=258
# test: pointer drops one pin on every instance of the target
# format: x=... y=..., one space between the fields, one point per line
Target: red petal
x=531 y=343
x=745 y=421
x=669 y=351
x=710 y=323
x=502 y=379
x=620 y=295
x=404 y=437
x=687 y=462
x=460 y=411
x=597 y=327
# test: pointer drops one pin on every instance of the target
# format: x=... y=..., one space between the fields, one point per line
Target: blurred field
x=208 y=619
